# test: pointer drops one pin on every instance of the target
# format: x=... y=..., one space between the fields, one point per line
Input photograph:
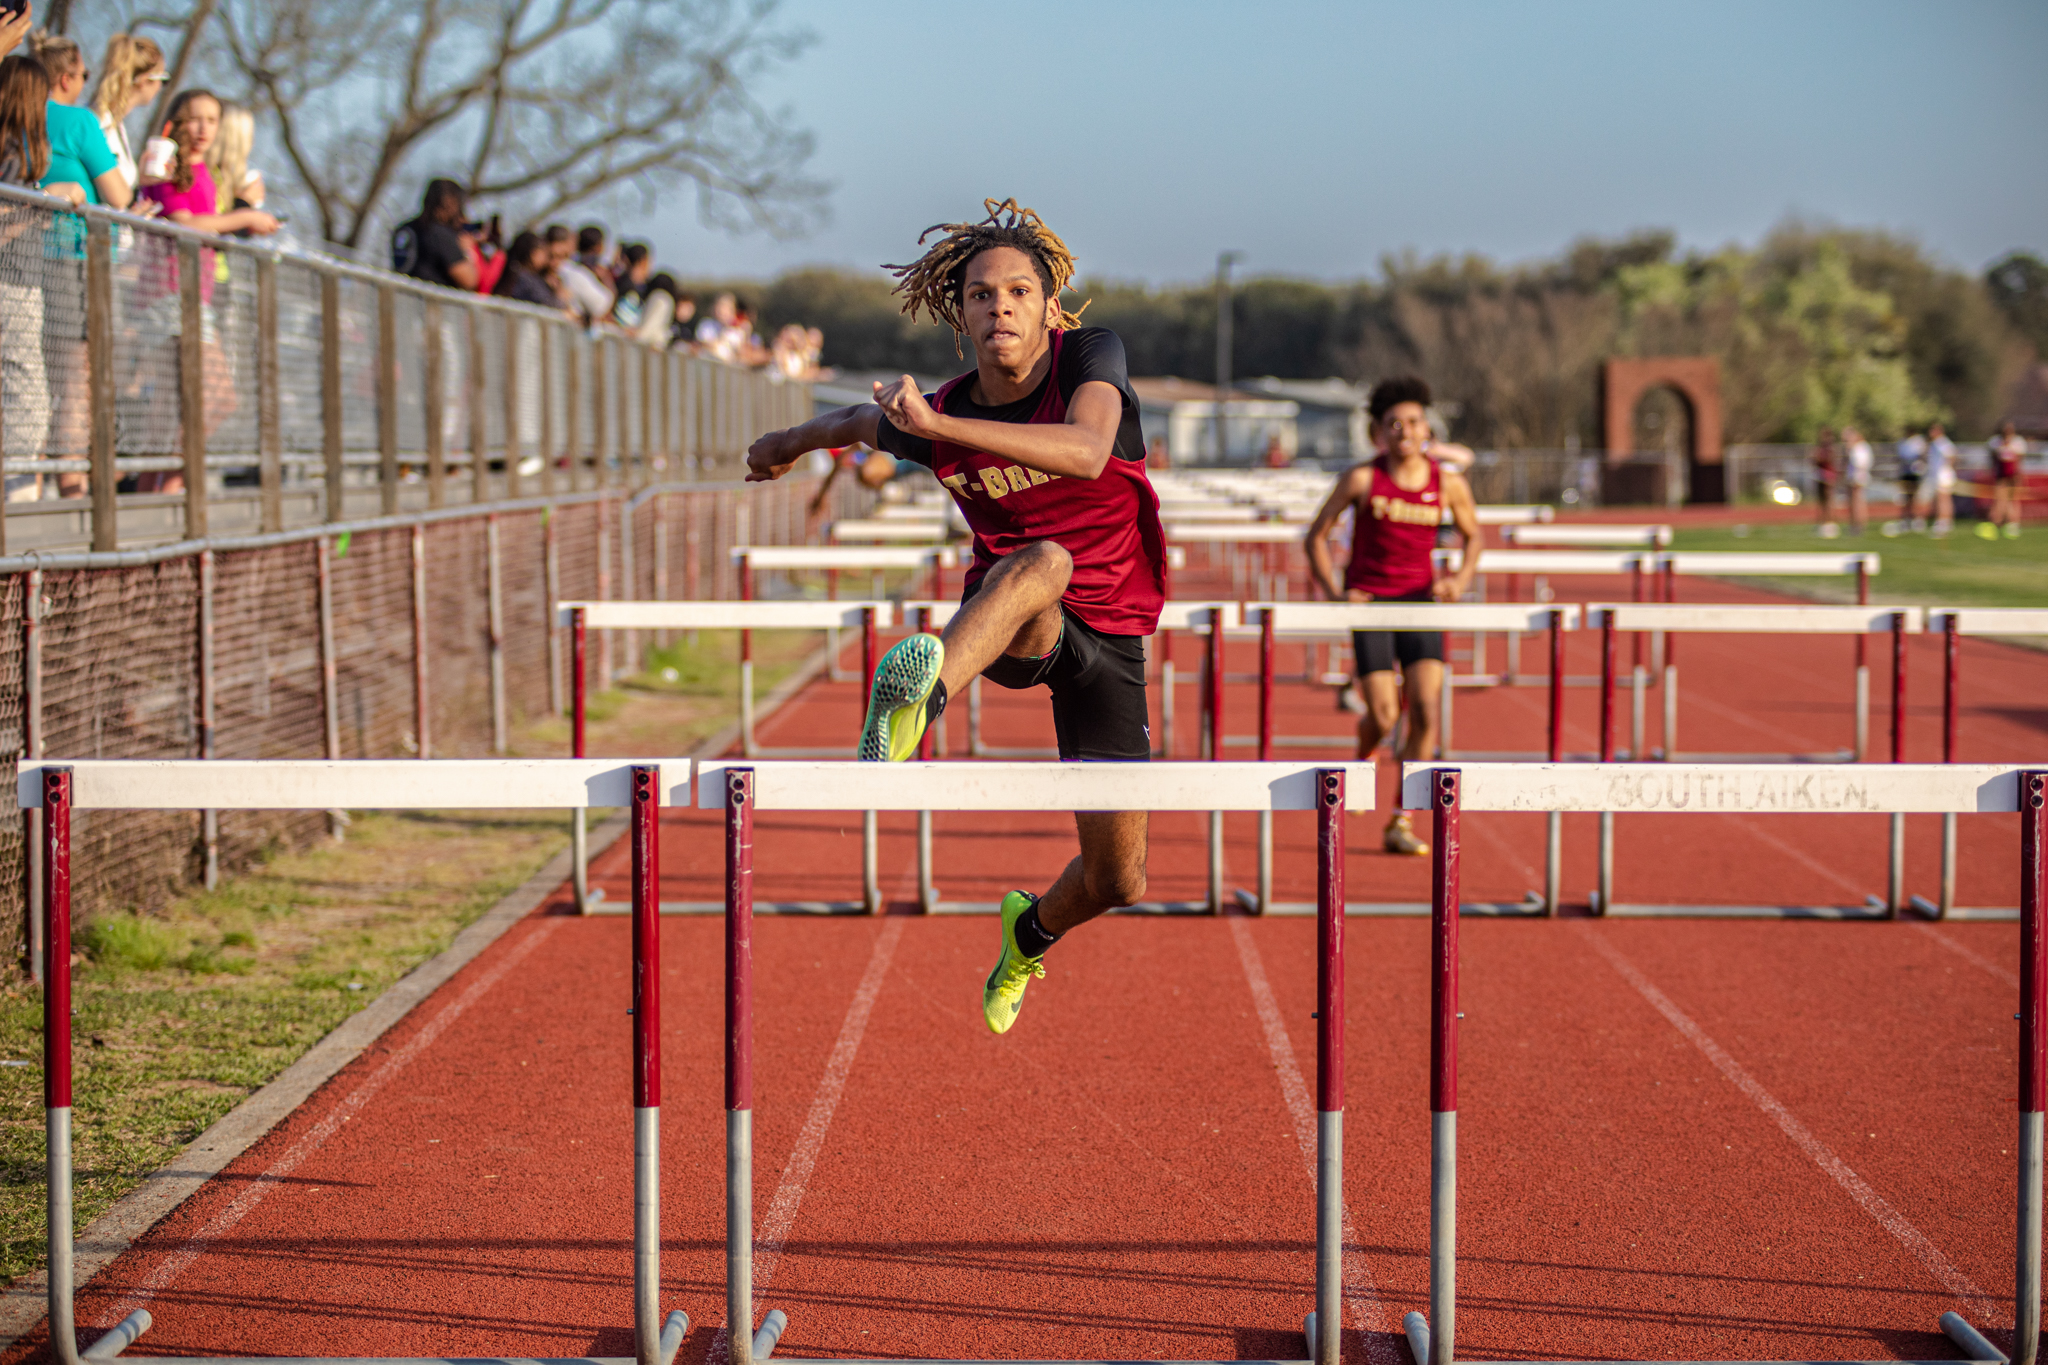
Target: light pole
x=1224 y=260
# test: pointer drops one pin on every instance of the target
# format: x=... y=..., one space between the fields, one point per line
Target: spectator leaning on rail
x=631 y=273
x=131 y=74
x=236 y=184
x=430 y=247
x=525 y=276
x=583 y=292
x=24 y=159
x=79 y=154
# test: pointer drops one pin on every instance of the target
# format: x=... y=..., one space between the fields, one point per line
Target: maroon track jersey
x=1394 y=534
x=1109 y=524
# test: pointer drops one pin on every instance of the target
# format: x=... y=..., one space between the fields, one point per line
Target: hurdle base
x=1976 y=1350
x=2008 y=913
x=1531 y=904
x=1688 y=756
x=673 y=1331
x=842 y=752
x=1873 y=908
x=760 y=908
x=1141 y=908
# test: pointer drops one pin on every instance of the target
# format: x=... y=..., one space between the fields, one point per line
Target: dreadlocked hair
x=933 y=282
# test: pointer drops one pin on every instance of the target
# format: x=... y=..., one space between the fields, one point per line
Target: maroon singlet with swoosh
x=1110 y=524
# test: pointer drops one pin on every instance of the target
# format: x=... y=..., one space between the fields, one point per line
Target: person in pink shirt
x=187 y=197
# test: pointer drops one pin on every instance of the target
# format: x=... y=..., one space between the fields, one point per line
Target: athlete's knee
x=1384 y=712
x=1117 y=883
x=1046 y=558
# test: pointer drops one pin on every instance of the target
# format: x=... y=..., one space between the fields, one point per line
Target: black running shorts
x=1376 y=651
x=1098 y=691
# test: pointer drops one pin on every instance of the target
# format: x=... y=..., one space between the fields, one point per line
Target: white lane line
x=1360 y=1293
x=1872 y=1203
x=1755 y=826
x=789 y=1194
x=1970 y=955
x=314 y=1138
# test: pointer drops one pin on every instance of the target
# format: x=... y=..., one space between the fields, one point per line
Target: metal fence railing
x=428 y=633
x=289 y=389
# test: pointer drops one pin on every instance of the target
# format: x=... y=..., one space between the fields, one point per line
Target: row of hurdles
x=737 y=788
x=1216 y=622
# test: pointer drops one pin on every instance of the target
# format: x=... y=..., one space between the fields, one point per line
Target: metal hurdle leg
x=1432 y=1339
x=2033 y=1060
x=1325 y=1327
x=579 y=692
x=745 y=1345
x=1553 y=844
x=1895 y=892
x=655 y=1342
x=1605 y=895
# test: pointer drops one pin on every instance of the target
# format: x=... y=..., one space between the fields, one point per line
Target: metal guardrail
x=292 y=388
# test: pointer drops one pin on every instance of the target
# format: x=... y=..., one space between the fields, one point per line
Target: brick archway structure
x=1696 y=379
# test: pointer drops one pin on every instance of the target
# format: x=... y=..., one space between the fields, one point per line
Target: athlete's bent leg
x=1382 y=711
x=1425 y=706
x=1017 y=611
x=1109 y=874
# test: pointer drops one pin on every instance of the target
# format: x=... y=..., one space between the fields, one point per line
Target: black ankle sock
x=935 y=703
x=1032 y=939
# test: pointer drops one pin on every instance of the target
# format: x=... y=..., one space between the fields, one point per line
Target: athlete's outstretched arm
x=1465 y=516
x=771 y=456
x=1078 y=448
x=1317 y=541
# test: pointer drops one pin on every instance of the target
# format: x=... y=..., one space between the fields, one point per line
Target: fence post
x=649 y=451
x=479 y=432
x=434 y=406
x=551 y=561
x=387 y=399
x=32 y=747
x=691 y=407
x=269 y=431
x=330 y=692
x=99 y=380
x=209 y=820
x=599 y=452
x=495 y=585
x=604 y=586
x=192 y=388
x=514 y=448
x=330 y=395
x=572 y=404
x=547 y=409
x=421 y=715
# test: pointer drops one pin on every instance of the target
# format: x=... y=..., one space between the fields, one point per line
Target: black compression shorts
x=1098 y=691
x=1376 y=651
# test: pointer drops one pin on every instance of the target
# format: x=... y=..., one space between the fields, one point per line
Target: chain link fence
x=428 y=635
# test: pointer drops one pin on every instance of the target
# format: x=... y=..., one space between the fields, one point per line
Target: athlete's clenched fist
x=903 y=404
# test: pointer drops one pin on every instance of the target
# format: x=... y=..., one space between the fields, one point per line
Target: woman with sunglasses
x=131 y=75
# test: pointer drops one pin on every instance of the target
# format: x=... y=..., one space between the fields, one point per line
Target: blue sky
x=1318 y=137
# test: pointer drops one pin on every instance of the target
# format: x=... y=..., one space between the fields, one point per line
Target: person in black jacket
x=526 y=272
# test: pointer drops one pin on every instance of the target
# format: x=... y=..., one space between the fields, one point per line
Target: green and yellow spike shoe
x=896 y=702
x=1002 y=999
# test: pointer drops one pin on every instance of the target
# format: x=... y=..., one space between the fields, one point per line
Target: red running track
x=1680 y=1140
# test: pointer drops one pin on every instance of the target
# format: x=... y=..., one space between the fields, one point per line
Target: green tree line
x=1813 y=327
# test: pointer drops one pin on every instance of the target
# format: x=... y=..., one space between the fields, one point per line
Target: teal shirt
x=78 y=149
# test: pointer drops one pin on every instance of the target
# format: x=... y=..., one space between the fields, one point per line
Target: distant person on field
x=1398 y=501
x=1826 y=470
x=2008 y=480
x=1941 y=473
x=1857 y=458
x=431 y=247
x=1156 y=456
x=1276 y=456
x=1912 y=453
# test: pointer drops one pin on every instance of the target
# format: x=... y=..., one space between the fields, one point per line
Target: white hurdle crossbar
x=745 y=617
x=60 y=786
x=1670 y=620
x=1953 y=623
x=1654 y=537
x=1449 y=790
x=1277 y=620
x=741 y=788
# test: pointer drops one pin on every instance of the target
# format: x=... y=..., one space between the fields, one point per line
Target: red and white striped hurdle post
x=742 y=1343
x=1325 y=1346
x=579 y=703
x=1605 y=895
x=646 y=837
x=1895 y=882
x=1445 y=892
x=2033 y=1060
x=1553 y=833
